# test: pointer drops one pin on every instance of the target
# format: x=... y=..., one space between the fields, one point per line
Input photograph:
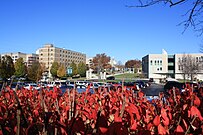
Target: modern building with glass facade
x=161 y=66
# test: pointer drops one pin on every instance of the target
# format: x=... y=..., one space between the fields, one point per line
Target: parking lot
x=153 y=89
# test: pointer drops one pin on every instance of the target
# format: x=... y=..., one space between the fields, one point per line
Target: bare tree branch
x=193 y=15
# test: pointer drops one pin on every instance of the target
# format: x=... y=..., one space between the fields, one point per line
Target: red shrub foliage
x=115 y=112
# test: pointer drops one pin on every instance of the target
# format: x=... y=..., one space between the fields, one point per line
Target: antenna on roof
x=164 y=51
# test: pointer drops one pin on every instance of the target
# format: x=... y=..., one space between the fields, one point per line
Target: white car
x=30 y=86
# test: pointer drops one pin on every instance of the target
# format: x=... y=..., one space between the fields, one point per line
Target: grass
x=127 y=76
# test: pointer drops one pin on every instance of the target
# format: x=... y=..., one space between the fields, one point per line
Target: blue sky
x=93 y=27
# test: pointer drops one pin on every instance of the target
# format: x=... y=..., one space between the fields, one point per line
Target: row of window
x=156 y=62
x=198 y=59
x=159 y=69
x=65 y=63
x=63 y=51
x=67 y=56
x=69 y=60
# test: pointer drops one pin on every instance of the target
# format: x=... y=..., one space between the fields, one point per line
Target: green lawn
x=127 y=76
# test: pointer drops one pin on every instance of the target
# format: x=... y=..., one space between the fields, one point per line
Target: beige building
x=48 y=54
x=31 y=58
x=28 y=58
x=162 y=66
x=15 y=56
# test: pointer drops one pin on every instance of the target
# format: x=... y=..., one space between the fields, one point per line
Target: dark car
x=110 y=78
x=170 y=84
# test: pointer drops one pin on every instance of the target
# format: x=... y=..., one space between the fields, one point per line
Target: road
x=153 y=89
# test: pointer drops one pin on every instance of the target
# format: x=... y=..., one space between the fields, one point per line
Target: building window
x=155 y=62
x=157 y=69
x=151 y=62
x=160 y=62
x=160 y=68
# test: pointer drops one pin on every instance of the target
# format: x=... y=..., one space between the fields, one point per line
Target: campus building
x=162 y=66
x=49 y=54
x=27 y=58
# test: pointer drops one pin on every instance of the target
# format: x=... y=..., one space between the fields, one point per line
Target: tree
x=120 y=66
x=35 y=71
x=61 y=72
x=74 y=68
x=6 y=67
x=82 y=69
x=54 y=69
x=101 y=62
x=133 y=64
x=20 y=68
x=188 y=65
x=193 y=13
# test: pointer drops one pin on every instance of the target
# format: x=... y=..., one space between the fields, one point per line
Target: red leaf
x=179 y=129
x=7 y=95
x=197 y=101
x=134 y=110
x=36 y=113
x=161 y=130
x=165 y=121
x=185 y=106
x=134 y=126
x=103 y=130
x=156 y=120
x=140 y=94
x=88 y=89
x=194 y=111
x=165 y=118
x=117 y=118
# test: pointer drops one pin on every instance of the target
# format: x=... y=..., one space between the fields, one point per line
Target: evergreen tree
x=82 y=69
x=54 y=69
x=6 y=67
x=20 y=68
x=74 y=69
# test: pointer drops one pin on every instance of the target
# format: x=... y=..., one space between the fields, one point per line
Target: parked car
x=170 y=84
x=30 y=86
x=110 y=78
x=140 y=83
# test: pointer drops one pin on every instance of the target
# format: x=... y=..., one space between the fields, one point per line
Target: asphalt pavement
x=153 y=89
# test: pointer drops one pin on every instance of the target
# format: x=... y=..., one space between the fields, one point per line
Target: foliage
x=61 y=72
x=20 y=68
x=119 y=65
x=74 y=68
x=101 y=62
x=133 y=64
x=6 y=67
x=117 y=112
x=35 y=71
x=193 y=13
x=54 y=69
x=82 y=69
